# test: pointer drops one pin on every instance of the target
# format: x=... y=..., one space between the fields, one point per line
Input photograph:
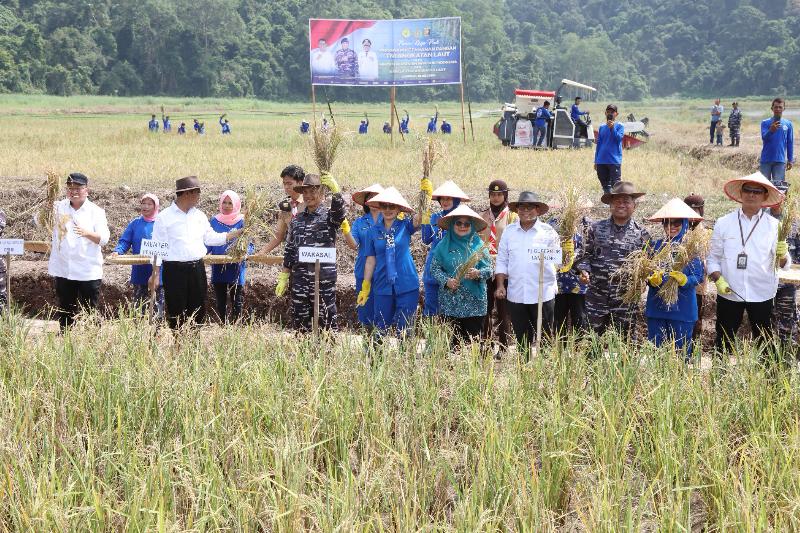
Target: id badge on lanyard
x=741 y=259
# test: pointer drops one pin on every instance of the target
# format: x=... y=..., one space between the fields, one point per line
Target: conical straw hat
x=463 y=211
x=390 y=196
x=360 y=196
x=449 y=188
x=734 y=189
x=675 y=209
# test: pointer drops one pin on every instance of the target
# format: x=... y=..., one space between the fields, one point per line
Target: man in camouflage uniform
x=346 y=61
x=784 y=311
x=315 y=227
x=608 y=243
x=735 y=124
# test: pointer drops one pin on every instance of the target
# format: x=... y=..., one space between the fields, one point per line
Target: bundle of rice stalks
x=471 y=261
x=432 y=153
x=220 y=260
x=789 y=214
x=45 y=218
x=571 y=215
x=324 y=147
x=695 y=244
x=638 y=266
x=256 y=206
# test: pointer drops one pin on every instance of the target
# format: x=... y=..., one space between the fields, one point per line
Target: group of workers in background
x=199 y=127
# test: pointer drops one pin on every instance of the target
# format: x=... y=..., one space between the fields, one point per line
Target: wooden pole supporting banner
x=314 y=104
x=8 y=282
x=463 y=118
x=315 y=323
x=392 y=111
x=539 y=304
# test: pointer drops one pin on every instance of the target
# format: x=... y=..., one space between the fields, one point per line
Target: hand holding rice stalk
x=45 y=218
x=256 y=207
x=571 y=216
x=637 y=267
x=471 y=261
x=324 y=147
x=695 y=245
x=431 y=154
x=789 y=212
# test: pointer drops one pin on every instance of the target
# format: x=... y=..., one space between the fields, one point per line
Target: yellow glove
x=656 y=278
x=363 y=294
x=680 y=277
x=568 y=250
x=345 y=226
x=401 y=215
x=328 y=181
x=426 y=186
x=425 y=218
x=781 y=249
x=283 y=282
x=568 y=246
x=722 y=286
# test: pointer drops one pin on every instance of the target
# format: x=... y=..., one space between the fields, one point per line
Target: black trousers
x=236 y=292
x=73 y=295
x=523 y=319
x=467 y=328
x=500 y=326
x=184 y=291
x=570 y=311
x=729 y=318
x=608 y=175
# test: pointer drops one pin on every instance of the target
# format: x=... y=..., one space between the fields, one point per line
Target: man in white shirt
x=322 y=59
x=76 y=258
x=518 y=262
x=187 y=232
x=742 y=260
x=367 y=62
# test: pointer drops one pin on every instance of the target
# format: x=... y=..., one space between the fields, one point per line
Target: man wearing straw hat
x=187 y=231
x=76 y=256
x=608 y=243
x=520 y=266
x=744 y=253
x=314 y=227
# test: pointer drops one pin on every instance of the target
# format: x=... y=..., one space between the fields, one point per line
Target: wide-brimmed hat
x=390 y=196
x=449 y=188
x=189 y=183
x=734 y=189
x=621 y=188
x=675 y=209
x=361 y=196
x=463 y=211
x=309 y=180
x=527 y=197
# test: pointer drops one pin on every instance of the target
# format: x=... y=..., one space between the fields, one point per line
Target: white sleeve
x=501 y=267
x=101 y=227
x=714 y=262
x=211 y=237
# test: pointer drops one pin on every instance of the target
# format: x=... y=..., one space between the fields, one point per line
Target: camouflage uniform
x=3 y=288
x=313 y=229
x=607 y=246
x=735 y=126
x=784 y=312
x=347 y=63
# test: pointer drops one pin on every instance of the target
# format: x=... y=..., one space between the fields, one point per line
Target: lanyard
x=741 y=233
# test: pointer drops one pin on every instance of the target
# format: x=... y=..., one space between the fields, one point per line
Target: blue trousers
x=774 y=172
x=713 y=130
x=396 y=310
x=539 y=135
x=662 y=330
x=366 y=312
x=431 y=306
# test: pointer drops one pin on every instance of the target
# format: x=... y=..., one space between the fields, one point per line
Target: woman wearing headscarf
x=357 y=239
x=668 y=323
x=449 y=195
x=137 y=229
x=462 y=300
x=389 y=272
x=228 y=279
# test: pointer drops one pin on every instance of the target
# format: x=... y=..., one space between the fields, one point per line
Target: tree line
x=628 y=49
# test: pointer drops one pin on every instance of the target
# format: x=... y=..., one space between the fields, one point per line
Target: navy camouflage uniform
x=784 y=311
x=607 y=245
x=347 y=63
x=316 y=229
x=735 y=126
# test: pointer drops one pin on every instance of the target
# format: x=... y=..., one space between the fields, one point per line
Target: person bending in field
x=140 y=228
x=182 y=129
x=228 y=279
x=447 y=129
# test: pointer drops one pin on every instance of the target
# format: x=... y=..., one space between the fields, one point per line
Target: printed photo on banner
x=385 y=52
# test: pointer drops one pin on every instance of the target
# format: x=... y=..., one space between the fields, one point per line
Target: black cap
x=78 y=179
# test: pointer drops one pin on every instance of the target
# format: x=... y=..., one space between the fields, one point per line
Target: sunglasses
x=462 y=223
x=384 y=205
x=674 y=223
x=750 y=190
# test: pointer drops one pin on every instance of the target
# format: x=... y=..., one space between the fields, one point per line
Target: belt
x=184 y=263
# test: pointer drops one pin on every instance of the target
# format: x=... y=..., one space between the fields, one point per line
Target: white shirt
x=368 y=65
x=759 y=281
x=187 y=233
x=517 y=259
x=322 y=62
x=75 y=257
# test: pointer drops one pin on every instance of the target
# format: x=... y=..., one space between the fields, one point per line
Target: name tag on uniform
x=741 y=261
x=311 y=254
x=12 y=246
x=154 y=248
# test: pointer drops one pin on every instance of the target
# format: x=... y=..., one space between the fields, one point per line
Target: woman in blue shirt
x=228 y=279
x=140 y=228
x=389 y=265
x=668 y=323
x=357 y=239
x=449 y=195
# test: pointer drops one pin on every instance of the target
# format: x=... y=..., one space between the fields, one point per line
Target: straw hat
x=621 y=188
x=734 y=189
x=449 y=188
x=675 y=209
x=390 y=196
x=527 y=197
x=189 y=183
x=463 y=211
x=360 y=196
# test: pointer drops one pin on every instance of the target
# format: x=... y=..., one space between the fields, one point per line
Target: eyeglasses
x=750 y=190
x=674 y=223
x=526 y=207
x=384 y=205
x=462 y=223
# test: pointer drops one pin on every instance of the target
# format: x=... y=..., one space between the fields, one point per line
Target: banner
x=385 y=52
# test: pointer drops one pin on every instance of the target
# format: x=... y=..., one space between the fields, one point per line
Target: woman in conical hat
x=449 y=195
x=390 y=275
x=462 y=300
x=674 y=323
x=356 y=238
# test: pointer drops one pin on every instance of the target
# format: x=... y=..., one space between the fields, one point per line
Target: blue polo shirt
x=685 y=309
x=609 y=145
x=360 y=231
x=575 y=113
x=407 y=277
x=131 y=239
x=542 y=116
x=778 y=145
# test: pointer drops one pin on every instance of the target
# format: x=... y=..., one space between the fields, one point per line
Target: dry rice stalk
x=638 y=266
x=789 y=214
x=324 y=147
x=695 y=243
x=431 y=154
x=46 y=215
x=471 y=261
x=571 y=214
x=256 y=206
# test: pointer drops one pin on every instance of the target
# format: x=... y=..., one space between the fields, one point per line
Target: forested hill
x=627 y=48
